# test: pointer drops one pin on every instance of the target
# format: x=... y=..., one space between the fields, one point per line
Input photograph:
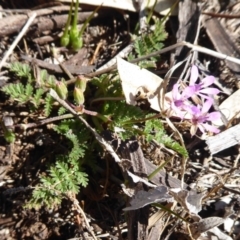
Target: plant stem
x=65 y=37
x=43 y=122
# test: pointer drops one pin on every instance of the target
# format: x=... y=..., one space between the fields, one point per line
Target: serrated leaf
x=48 y=105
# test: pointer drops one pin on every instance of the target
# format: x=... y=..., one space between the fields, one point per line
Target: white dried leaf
x=230 y=108
x=136 y=80
x=162 y=6
x=224 y=140
x=137 y=179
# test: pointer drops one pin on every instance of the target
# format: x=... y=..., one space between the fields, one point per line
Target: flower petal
x=212 y=91
x=193 y=130
x=189 y=91
x=207 y=81
x=211 y=128
x=194 y=110
x=194 y=75
x=175 y=92
x=213 y=116
x=201 y=127
x=207 y=105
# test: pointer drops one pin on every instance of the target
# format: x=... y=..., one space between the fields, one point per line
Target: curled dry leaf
x=230 y=108
x=137 y=82
x=190 y=201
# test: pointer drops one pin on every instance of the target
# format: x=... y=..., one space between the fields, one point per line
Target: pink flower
x=201 y=117
x=202 y=88
x=178 y=101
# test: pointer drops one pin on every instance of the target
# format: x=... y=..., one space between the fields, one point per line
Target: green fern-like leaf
x=78 y=150
x=37 y=97
x=64 y=126
x=63 y=178
x=51 y=81
x=121 y=112
x=21 y=70
x=123 y=117
x=152 y=41
x=139 y=47
x=61 y=111
x=44 y=196
x=105 y=89
x=29 y=91
x=48 y=105
x=17 y=92
x=78 y=137
x=82 y=178
x=155 y=130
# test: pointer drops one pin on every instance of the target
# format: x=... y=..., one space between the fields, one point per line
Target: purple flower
x=202 y=88
x=201 y=117
x=178 y=101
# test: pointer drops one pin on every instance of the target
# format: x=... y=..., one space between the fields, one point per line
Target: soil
x=23 y=162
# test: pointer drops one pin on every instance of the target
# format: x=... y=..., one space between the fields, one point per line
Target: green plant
x=73 y=37
x=67 y=175
x=26 y=93
x=65 y=39
x=68 y=172
x=149 y=42
x=154 y=130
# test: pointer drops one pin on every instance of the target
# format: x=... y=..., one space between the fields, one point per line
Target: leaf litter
x=201 y=195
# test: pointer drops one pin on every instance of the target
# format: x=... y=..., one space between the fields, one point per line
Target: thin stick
x=100 y=139
x=167 y=49
x=43 y=122
x=20 y=35
x=194 y=48
x=79 y=210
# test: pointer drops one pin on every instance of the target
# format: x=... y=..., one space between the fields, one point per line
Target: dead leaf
x=162 y=6
x=204 y=225
x=143 y=198
x=230 y=108
x=138 y=81
x=225 y=139
x=137 y=179
x=190 y=201
x=218 y=234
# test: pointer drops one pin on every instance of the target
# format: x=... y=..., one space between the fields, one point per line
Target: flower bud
x=61 y=90
x=64 y=41
x=81 y=83
x=78 y=96
x=76 y=43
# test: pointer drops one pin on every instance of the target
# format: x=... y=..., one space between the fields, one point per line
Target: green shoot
x=87 y=21
x=65 y=39
x=73 y=37
x=75 y=40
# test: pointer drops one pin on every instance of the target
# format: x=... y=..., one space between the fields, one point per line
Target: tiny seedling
x=73 y=38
